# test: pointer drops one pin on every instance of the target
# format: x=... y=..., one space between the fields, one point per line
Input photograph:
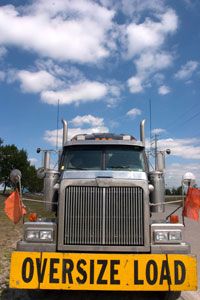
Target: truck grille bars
x=104 y=216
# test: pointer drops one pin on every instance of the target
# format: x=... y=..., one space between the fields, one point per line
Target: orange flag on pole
x=14 y=208
x=192 y=204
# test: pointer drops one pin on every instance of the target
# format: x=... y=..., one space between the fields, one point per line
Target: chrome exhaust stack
x=65 y=132
x=142 y=133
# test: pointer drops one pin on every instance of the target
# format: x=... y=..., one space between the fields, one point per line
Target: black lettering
x=27 y=262
x=151 y=264
x=41 y=269
x=81 y=271
x=53 y=270
x=136 y=279
x=165 y=273
x=103 y=264
x=67 y=268
x=92 y=271
x=179 y=272
x=114 y=271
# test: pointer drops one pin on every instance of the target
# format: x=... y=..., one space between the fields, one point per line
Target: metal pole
x=156 y=150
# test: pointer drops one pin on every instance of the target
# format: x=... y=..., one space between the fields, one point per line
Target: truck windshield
x=130 y=158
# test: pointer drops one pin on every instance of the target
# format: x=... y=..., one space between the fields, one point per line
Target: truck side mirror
x=41 y=173
x=15 y=176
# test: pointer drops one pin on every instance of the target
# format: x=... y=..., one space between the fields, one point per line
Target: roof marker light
x=126 y=137
x=80 y=137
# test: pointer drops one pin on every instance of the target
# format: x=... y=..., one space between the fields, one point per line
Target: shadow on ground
x=12 y=294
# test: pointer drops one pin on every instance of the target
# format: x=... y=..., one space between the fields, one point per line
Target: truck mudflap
x=94 y=271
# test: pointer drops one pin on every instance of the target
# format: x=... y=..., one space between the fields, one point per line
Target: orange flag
x=192 y=204
x=14 y=208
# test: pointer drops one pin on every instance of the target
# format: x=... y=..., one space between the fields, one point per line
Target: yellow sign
x=87 y=271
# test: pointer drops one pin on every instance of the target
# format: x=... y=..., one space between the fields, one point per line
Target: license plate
x=122 y=272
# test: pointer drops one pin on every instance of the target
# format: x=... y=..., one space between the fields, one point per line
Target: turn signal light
x=32 y=217
x=174 y=219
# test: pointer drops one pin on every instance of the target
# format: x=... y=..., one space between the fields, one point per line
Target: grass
x=11 y=233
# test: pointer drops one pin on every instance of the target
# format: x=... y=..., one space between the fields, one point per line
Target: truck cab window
x=104 y=158
x=123 y=158
x=82 y=159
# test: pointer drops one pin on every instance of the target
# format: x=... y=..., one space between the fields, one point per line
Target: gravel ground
x=9 y=234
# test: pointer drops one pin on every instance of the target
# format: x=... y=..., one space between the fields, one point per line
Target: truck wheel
x=170 y=295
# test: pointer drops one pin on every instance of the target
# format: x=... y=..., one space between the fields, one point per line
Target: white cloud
x=145 y=45
x=115 y=90
x=81 y=92
x=150 y=62
x=50 y=66
x=35 y=82
x=134 y=112
x=87 y=120
x=187 y=70
x=158 y=130
x=147 y=64
x=63 y=29
x=134 y=7
x=158 y=78
x=184 y=148
x=164 y=90
x=135 y=84
x=150 y=35
x=50 y=136
x=65 y=83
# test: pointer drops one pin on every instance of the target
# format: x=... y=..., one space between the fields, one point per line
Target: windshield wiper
x=118 y=167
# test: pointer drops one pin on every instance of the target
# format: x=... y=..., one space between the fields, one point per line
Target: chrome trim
x=40 y=226
x=182 y=248
x=142 y=132
x=98 y=247
x=35 y=247
x=104 y=216
x=104 y=142
x=123 y=175
x=167 y=227
x=65 y=133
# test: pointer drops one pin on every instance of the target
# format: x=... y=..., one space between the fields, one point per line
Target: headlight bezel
x=168 y=233
x=38 y=235
x=40 y=232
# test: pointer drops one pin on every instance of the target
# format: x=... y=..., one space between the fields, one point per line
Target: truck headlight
x=32 y=235
x=39 y=235
x=167 y=236
x=46 y=235
x=160 y=236
x=175 y=235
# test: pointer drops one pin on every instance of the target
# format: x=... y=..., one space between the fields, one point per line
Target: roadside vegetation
x=10 y=234
x=13 y=158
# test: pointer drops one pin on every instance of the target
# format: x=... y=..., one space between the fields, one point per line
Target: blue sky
x=105 y=61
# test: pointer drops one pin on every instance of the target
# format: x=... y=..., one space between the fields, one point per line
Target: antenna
x=150 y=122
x=156 y=151
x=58 y=112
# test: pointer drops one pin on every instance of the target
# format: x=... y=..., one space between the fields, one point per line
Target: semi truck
x=109 y=232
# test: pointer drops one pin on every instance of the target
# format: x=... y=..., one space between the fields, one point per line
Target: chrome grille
x=104 y=216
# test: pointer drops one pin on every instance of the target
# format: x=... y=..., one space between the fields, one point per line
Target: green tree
x=176 y=191
x=13 y=158
x=31 y=181
x=167 y=192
